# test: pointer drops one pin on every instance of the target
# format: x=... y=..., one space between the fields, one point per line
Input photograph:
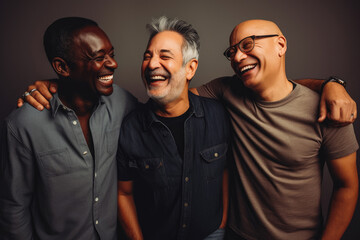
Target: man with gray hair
x=173 y=149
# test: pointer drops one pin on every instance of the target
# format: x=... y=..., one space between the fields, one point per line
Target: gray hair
x=191 y=46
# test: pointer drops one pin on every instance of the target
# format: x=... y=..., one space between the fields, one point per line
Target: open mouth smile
x=157 y=78
x=106 y=78
x=247 y=68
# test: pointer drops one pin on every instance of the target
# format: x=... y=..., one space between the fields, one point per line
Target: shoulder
x=219 y=87
x=210 y=103
x=307 y=92
x=27 y=116
x=22 y=122
x=135 y=116
x=212 y=108
x=120 y=100
x=305 y=99
x=213 y=85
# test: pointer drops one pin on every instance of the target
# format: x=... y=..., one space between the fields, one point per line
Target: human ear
x=282 y=45
x=191 y=67
x=60 y=66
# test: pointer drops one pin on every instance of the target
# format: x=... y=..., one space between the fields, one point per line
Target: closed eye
x=165 y=57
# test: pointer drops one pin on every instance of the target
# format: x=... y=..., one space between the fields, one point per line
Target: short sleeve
x=338 y=142
x=213 y=89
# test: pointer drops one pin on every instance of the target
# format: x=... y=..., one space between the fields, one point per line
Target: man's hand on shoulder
x=39 y=94
x=336 y=105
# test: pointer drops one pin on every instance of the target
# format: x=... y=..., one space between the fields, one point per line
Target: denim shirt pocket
x=214 y=160
x=152 y=170
x=55 y=162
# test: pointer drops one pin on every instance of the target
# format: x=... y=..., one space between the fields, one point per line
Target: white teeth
x=157 y=78
x=106 y=78
x=247 y=67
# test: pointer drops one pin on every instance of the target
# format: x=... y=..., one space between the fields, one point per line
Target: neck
x=80 y=101
x=274 y=88
x=172 y=109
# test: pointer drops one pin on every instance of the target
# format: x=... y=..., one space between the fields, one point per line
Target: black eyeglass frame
x=253 y=37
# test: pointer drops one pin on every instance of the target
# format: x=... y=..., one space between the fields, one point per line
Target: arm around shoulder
x=335 y=104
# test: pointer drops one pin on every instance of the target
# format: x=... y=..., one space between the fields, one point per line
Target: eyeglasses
x=245 y=45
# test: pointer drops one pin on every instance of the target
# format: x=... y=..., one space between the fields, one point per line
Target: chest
x=154 y=156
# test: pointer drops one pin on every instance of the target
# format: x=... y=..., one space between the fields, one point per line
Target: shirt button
x=184 y=225
x=96 y=222
x=216 y=154
x=85 y=152
x=74 y=123
x=186 y=179
x=186 y=204
x=95 y=175
x=96 y=199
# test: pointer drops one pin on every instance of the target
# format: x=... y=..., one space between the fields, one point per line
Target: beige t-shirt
x=276 y=183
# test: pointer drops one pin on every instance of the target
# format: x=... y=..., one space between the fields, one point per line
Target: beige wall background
x=323 y=40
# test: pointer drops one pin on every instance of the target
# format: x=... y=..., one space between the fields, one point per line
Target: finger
x=53 y=87
x=333 y=113
x=347 y=112
x=20 y=102
x=353 y=117
x=33 y=102
x=322 y=110
x=354 y=112
x=43 y=91
x=40 y=99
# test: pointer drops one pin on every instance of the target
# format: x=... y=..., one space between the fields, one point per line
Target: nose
x=111 y=62
x=153 y=62
x=239 y=56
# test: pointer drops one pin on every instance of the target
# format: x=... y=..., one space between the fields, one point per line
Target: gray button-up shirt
x=51 y=187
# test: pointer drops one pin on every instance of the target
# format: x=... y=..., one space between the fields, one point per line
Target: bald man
x=279 y=146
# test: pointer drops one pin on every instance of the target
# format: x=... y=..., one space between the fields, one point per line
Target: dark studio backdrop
x=323 y=40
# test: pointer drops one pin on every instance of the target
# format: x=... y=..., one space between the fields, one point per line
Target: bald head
x=257 y=55
x=253 y=27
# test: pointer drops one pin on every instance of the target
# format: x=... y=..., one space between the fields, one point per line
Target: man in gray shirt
x=58 y=169
x=278 y=145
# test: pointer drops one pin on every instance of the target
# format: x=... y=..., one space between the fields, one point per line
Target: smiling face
x=264 y=62
x=93 y=63
x=162 y=70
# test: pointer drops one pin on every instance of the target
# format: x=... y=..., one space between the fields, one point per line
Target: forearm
x=225 y=199
x=340 y=213
x=313 y=84
x=128 y=217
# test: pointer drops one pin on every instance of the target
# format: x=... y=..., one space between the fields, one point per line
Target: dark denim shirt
x=176 y=198
x=51 y=185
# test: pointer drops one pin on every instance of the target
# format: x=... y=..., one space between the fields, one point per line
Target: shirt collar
x=149 y=117
x=56 y=104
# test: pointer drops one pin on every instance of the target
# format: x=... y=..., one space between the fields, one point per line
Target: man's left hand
x=337 y=106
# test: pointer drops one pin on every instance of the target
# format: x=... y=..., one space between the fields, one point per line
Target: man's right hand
x=41 y=97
